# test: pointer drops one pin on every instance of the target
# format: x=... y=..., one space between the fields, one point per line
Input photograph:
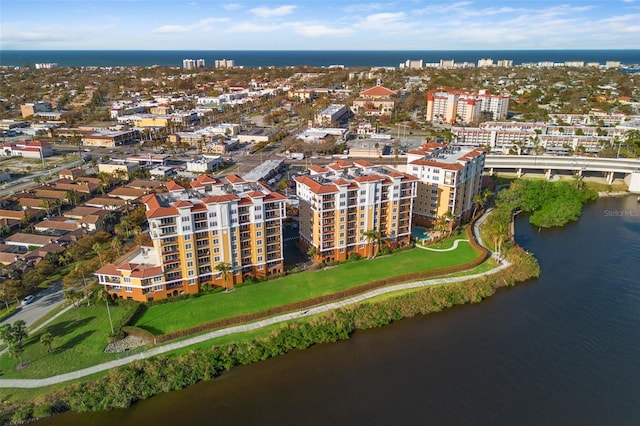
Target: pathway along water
x=563 y=349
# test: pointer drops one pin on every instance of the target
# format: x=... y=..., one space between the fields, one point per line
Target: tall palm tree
x=103 y=294
x=224 y=268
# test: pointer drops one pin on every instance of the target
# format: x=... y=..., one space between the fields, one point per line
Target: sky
x=318 y=25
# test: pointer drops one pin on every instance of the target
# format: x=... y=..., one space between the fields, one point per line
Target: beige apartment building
x=340 y=203
x=448 y=178
x=454 y=105
x=230 y=221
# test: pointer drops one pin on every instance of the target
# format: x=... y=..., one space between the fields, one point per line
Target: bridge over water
x=609 y=167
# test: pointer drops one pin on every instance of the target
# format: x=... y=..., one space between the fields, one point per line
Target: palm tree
x=97 y=249
x=448 y=221
x=103 y=294
x=224 y=268
x=312 y=252
x=374 y=238
x=47 y=340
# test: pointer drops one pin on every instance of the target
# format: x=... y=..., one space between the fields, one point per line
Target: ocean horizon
x=312 y=58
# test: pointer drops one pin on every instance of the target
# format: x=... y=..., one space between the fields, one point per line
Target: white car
x=30 y=298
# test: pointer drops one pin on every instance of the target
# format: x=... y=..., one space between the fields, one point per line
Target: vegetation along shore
x=124 y=385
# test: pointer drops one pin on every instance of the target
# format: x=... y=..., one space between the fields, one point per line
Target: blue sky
x=319 y=24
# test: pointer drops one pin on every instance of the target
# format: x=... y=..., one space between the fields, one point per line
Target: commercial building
x=342 y=203
x=30 y=109
x=453 y=106
x=330 y=114
x=27 y=149
x=228 y=222
x=448 y=180
x=110 y=139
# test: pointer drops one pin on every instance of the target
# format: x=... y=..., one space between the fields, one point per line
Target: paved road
x=46 y=301
x=28 y=181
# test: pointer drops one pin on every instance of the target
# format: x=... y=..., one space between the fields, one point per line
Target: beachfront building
x=453 y=105
x=343 y=204
x=218 y=232
x=449 y=178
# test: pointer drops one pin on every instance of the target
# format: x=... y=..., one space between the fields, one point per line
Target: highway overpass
x=609 y=167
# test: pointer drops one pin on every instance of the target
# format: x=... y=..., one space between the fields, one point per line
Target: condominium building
x=224 y=63
x=228 y=222
x=342 y=202
x=448 y=179
x=190 y=64
x=454 y=105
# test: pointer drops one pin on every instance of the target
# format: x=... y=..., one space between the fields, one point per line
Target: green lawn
x=305 y=285
x=80 y=336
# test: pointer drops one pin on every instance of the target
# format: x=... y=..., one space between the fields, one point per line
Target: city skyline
x=307 y=25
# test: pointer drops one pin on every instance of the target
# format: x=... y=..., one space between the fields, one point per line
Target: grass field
x=80 y=336
x=305 y=285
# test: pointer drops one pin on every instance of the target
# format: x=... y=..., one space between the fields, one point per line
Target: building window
x=259 y=234
x=189 y=255
x=187 y=237
x=216 y=259
x=191 y=273
x=189 y=264
x=128 y=289
x=126 y=279
x=159 y=287
x=187 y=246
x=259 y=258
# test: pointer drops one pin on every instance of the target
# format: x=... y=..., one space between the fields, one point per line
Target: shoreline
x=348 y=316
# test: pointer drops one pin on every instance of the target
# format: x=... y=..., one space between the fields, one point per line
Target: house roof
x=377 y=91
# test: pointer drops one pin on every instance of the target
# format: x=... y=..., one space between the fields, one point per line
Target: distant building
x=46 y=65
x=452 y=105
x=507 y=63
x=485 y=63
x=376 y=100
x=30 y=109
x=190 y=64
x=27 y=149
x=110 y=139
x=412 y=64
x=204 y=165
x=224 y=63
x=331 y=114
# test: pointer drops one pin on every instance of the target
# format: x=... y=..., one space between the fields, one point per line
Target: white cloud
x=273 y=12
x=248 y=27
x=318 y=30
x=380 y=21
x=232 y=6
x=202 y=25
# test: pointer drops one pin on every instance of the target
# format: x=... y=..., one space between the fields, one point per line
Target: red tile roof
x=377 y=91
x=172 y=186
x=234 y=179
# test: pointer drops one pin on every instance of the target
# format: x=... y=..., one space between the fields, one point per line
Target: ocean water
x=315 y=58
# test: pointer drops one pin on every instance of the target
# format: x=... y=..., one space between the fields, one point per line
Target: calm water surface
x=560 y=350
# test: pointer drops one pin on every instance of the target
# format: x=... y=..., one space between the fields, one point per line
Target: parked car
x=30 y=298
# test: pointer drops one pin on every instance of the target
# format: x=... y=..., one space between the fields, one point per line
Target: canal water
x=562 y=349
